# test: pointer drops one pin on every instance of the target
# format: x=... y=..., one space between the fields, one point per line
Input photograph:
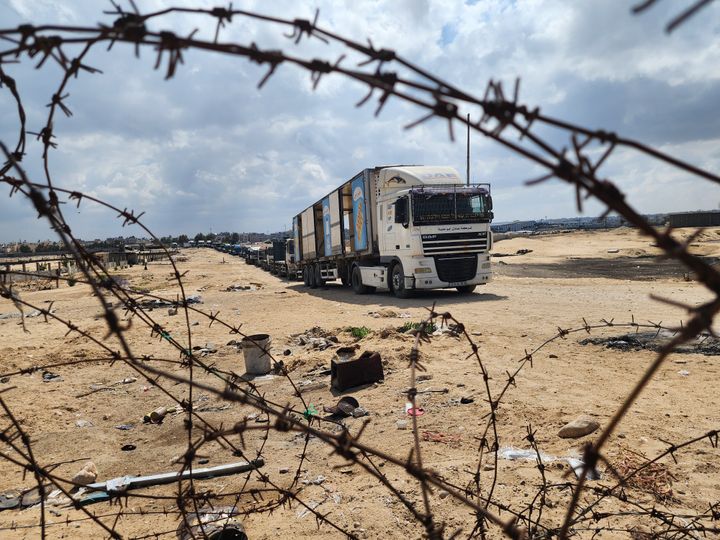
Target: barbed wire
x=502 y=119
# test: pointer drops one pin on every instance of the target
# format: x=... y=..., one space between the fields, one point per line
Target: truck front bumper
x=454 y=272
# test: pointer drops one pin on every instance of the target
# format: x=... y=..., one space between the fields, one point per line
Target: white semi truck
x=400 y=228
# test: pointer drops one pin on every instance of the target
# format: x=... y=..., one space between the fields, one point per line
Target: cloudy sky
x=207 y=150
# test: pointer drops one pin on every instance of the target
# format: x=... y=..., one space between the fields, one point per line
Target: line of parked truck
x=274 y=256
x=399 y=228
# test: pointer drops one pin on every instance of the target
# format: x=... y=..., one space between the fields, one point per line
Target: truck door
x=395 y=218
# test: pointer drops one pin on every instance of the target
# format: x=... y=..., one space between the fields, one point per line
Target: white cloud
x=208 y=146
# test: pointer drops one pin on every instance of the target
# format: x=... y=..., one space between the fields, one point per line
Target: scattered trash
x=452 y=330
x=438 y=436
x=466 y=400
x=315 y=338
x=365 y=369
x=83 y=423
x=613 y=250
x=122 y=484
x=284 y=470
x=128 y=447
x=578 y=428
x=203 y=461
x=310 y=412
x=158 y=415
x=359 y=412
x=703 y=343
x=577 y=465
x=684 y=372
x=255 y=352
x=124 y=427
x=251 y=287
x=9 y=499
x=514 y=454
x=213 y=408
x=218 y=523
x=315 y=481
x=208 y=348
x=157 y=303
x=423 y=377
x=172 y=311
x=428 y=391
x=401 y=424
x=309 y=506
x=32 y=496
x=344 y=407
x=413 y=411
x=49 y=376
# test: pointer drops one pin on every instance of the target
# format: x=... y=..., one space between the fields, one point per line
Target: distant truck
x=284 y=263
x=400 y=228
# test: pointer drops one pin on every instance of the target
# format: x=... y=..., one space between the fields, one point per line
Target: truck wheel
x=344 y=277
x=397 y=280
x=357 y=284
x=466 y=289
x=319 y=281
x=311 y=277
x=305 y=278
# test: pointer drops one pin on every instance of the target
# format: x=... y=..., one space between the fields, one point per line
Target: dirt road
x=74 y=419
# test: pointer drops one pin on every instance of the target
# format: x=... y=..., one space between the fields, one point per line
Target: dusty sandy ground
x=532 y=295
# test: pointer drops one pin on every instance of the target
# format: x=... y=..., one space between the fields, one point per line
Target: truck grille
x=456 y=269
x=450 y=243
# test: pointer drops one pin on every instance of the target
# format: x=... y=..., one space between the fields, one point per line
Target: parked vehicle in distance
x=401 y=228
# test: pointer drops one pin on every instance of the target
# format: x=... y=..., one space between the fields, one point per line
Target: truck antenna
x=467 y=153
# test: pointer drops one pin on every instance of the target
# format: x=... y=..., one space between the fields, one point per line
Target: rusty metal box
x=365 y=369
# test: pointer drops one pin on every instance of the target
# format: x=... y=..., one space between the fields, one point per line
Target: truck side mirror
x=401 y=211
x=489 y=199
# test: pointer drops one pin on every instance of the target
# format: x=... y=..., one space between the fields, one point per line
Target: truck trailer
x=400 y=228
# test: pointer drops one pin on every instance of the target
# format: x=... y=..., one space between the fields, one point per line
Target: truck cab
x=433 y=229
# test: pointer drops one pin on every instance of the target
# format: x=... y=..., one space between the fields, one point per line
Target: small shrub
x=359 y=332
x=414 y=326
x=71 y=282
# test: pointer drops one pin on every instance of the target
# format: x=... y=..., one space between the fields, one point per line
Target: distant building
x=710 y=218
x=514 y=226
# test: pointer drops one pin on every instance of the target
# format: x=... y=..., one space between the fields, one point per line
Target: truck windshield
x=463 y=205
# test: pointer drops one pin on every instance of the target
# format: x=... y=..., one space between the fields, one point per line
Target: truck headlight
x=423 y=270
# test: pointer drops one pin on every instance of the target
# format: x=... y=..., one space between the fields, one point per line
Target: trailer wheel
x=397 y=280
x=357 y=284
x=305 y=277
x=466 y=289
x=319 y=281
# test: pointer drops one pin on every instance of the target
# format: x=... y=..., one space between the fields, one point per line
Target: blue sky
x=208 y=150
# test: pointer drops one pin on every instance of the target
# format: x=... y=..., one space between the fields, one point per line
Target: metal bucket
x=257 y=360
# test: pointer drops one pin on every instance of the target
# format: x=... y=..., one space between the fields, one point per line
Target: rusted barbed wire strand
x=439 y=99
